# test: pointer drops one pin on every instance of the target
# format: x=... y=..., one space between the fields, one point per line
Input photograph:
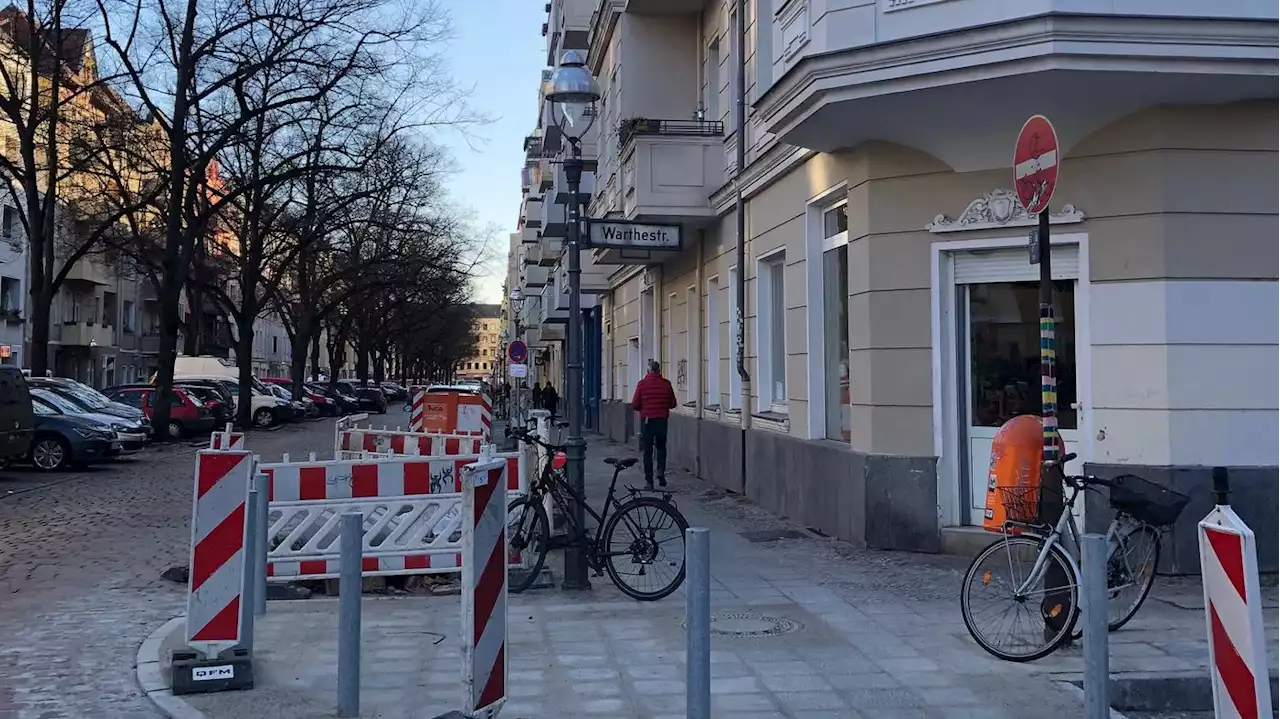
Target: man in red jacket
x=654 y=400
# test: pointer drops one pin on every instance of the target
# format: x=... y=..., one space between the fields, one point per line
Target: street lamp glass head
x=573 y=95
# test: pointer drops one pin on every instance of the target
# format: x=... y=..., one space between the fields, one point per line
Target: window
x=9 y=225
x=713 y=342
x=669 y=357
x=711 y=93
x=127 y=311
x=735 y=380
x=692 y=332
x=275 y=345
x=771 y=333
x=10 y=294
x=835 y=321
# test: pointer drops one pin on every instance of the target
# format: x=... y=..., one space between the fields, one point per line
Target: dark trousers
x=653 y=435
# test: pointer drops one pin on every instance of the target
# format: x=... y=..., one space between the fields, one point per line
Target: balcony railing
x=632 y=127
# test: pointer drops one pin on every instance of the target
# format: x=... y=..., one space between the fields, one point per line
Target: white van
x=267 y=408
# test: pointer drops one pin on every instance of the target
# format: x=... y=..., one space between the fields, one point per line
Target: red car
x=187 y=416
x=325 y=405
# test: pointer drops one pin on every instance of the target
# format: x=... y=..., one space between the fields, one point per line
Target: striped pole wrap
x=484 y=587
x=1048 y=383
x=217 y=565
x=486 y=416
x=1233 y=612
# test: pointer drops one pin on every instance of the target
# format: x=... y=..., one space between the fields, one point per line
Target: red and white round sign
x=1035 y=164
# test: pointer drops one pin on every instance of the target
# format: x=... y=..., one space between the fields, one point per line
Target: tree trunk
x=362 y=361
x=39 y=317
x=315 y=357
x=195 y=322
x=172 y=287
x=335 y=361
x=244 y=362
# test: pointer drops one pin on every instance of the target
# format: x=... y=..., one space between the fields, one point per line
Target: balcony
x=595 y=278
x=149 y=344
x=958 y=82
x=86 y=334
x=549 y=250
x=670 y=168
x=553 y=315
x=533 y=211
x=91 y=271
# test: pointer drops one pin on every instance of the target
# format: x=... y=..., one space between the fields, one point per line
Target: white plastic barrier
x=389 y=441
x=411 y=507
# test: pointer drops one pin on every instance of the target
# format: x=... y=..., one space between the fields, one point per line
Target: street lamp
x=573 y=97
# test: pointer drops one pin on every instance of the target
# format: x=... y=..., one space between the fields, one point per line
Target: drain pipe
x=740 y=32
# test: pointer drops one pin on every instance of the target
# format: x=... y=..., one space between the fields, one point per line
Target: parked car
x=370 y=398
x=322 y=404
x=17 y=426
x=87 y=397
x=267 y=409
x=395 y=392
x=130 y=433
x=66 y=440
x=220 y=407
x=343 y=403
x=187 y=414
x=299 y=408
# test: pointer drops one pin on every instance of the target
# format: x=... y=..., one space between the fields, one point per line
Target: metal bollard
x=1097 y=672
x=260 y=527
x=248 y=597
x=349 y=587
x=697 y=616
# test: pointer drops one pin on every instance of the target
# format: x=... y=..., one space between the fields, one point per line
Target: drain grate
x=772 y=535
x=746 y=624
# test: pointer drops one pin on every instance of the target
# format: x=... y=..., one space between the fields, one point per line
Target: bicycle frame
x=1066 y=534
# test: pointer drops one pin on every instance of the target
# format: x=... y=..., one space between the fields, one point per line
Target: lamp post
x=573 y=99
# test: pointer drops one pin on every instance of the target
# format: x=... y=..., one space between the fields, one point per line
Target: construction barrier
x=460 y=413
x=226 y=439
x=218 y=563
x=1233 y=612
x=411 y=509
x=392 y=442
x=484 y=588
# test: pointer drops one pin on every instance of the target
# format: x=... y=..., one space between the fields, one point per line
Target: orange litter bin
x=1014 y=484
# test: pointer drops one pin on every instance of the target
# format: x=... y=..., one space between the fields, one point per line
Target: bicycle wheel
x=644 y=540
x=1035 y=622
x=1131 y=571
x=528 y=539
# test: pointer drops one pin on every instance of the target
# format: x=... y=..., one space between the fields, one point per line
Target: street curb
x=1071 y=688
x=151 y=679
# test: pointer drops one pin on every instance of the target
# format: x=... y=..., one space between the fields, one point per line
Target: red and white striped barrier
x=412 y=508
x=417 y=411
x=396 y=442
x=217 y=566
x=226 y=440
x=1233 y=609
x=484 y=588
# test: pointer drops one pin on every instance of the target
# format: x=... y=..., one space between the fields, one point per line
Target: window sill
x=772 y=421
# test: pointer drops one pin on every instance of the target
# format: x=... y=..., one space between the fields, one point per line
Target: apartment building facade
x=487 y=328
x=890 y=305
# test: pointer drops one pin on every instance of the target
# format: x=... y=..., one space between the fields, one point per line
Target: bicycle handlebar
x=525 y=435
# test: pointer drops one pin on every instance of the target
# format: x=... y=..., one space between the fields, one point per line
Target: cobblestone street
x=80 y=560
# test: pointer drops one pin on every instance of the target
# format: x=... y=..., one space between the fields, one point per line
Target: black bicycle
x=642 y=539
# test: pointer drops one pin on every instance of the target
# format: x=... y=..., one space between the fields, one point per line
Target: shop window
x=10 y=294
x=691 y=336
x=1004 y=351
x=835 y=321
x=735 y=380
x=772 y=334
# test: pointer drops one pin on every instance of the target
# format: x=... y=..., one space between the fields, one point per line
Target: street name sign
x=634 y=235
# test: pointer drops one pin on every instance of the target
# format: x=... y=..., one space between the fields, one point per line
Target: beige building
x=890 y=306
x=487 y=327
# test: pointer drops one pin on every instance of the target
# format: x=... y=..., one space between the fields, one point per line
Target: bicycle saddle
x=623 y=463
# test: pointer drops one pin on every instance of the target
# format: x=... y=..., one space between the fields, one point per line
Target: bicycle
x=1143 y=509
x=528 y=527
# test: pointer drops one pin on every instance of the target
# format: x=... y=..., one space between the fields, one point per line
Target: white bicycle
x=1021 y=595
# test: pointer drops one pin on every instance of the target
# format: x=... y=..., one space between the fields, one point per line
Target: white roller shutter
x=1013 y=265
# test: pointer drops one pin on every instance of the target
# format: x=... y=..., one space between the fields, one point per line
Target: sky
x=497 y=50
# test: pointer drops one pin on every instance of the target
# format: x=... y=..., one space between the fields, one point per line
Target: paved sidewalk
x=846 y=633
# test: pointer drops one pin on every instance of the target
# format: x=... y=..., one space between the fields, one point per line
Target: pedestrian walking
x=537 y=395
x=654 y=399
x=550 y=399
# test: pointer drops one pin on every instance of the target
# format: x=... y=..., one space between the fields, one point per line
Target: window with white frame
x=735 y=380
x=834 y=221
x=691 y=337
x=711 y=93
x=771 y=332
x=713 y=342
x=669 y=347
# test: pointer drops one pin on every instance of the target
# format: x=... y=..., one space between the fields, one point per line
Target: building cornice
x=891 y=67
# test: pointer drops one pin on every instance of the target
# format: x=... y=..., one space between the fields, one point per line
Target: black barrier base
x=230 y=672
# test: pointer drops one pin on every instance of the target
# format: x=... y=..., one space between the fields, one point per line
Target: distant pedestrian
x=537 y=395
x=654 y=399
x=550 y=399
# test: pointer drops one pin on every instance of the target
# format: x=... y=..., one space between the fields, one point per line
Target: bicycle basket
x=1146 y=501
x=1021 y=504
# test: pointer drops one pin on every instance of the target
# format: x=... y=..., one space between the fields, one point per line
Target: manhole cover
x=744 y=624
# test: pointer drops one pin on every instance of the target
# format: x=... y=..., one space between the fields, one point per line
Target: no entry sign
x=518 y=351
x=1035 y=164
